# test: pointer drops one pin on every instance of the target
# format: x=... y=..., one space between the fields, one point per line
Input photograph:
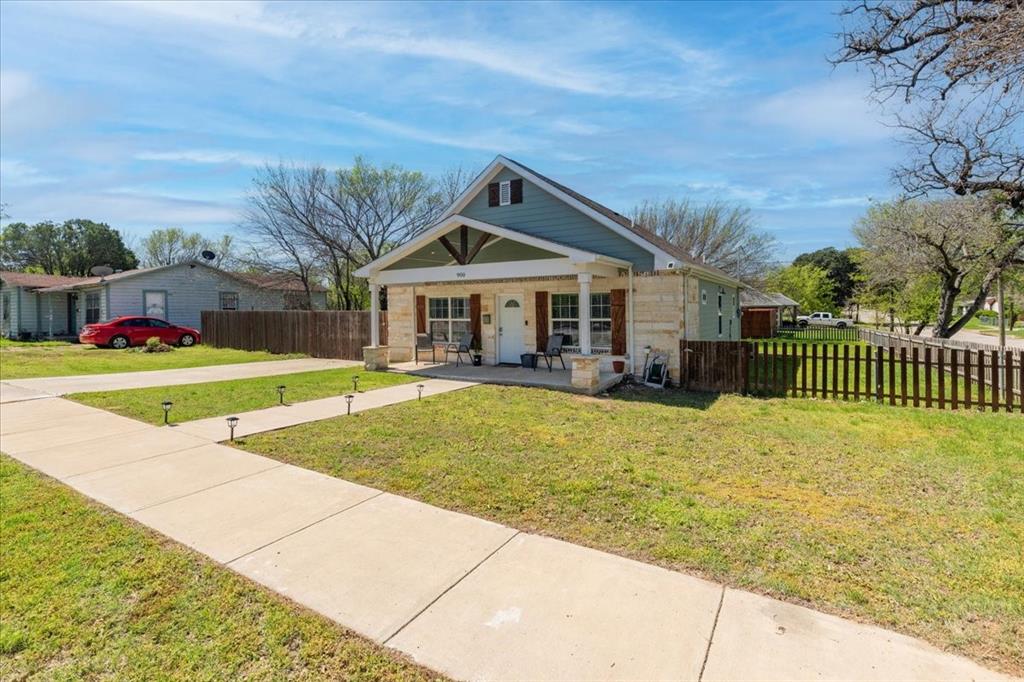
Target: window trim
x=98 y=308
x=220 y=299
x=167 y=302
x=569 y=348
x=449 y=320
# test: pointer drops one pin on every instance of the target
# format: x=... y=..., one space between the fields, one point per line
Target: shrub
x=153 y=345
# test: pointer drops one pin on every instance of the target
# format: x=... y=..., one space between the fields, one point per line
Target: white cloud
x=575 y=127
x=17 y=173
x=831 y=109
x=204 y=156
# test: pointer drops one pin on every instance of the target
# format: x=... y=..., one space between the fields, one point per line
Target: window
x=155 y=303
x=565 y=320
x=158 y=324
x=505 y=193
x=721 y=295
x=7 y=307
x=229 y=300
x=295 y=300
x=92 y=308
x=449 y=318
x=134 y=322
x=703 y=296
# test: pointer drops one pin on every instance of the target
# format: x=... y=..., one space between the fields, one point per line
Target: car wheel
x=840 y=325
x=119 y=342
x=802 y=323
x=187 y=340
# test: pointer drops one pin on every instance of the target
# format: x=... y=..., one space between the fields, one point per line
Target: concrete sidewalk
x=56 y=386
x=273 y=418
x=465 y=596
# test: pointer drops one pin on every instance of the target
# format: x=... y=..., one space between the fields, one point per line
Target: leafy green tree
x=72 y=248
x=173 y=245
x=841 y=267
x=808 y=285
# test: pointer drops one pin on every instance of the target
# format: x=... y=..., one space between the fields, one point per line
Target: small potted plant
x=478 y=358
x=618 y=366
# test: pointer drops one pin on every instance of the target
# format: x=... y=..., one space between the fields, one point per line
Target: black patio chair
x=464 y=345
x=553 y=350
x=424 y=342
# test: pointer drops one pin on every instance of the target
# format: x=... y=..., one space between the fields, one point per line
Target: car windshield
x=158 y=323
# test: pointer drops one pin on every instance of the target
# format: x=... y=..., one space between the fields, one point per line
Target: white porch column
x=585 y=279
x=374 y=314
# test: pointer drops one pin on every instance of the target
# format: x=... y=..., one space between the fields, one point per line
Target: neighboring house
x=48 y=305
x=763 y=313
x=516 y=254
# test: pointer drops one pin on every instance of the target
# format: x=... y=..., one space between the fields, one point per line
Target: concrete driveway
x=21 y=389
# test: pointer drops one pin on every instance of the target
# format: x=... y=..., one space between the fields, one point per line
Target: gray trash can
x=529 y=360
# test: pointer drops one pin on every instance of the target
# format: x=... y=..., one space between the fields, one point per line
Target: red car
x=122 y=332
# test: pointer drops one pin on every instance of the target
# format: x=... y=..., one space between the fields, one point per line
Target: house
x=36 y=305
x=514 y=256
x=762 y=313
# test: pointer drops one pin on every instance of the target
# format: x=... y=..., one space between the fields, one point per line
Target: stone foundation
x=376 y=357
x=586 y=373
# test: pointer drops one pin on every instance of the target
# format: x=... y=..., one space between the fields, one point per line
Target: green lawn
x=87 y=593
x=197 y=401
x=25 y=359
x=993 y=330
x=909 y=518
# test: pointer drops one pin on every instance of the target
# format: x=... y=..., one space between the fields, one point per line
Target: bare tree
x=966 y=242
x=954 y=69
x=452 y=183
x=718 y=233
x=282 y=216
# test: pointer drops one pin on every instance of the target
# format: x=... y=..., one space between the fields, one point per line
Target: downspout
x=631 y=333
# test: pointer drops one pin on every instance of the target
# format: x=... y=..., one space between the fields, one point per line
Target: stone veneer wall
x=658 y=309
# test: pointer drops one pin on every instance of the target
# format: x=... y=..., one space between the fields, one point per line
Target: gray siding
x=544 y=216
x=190 y=290
x=709 y=312
x=9 y=326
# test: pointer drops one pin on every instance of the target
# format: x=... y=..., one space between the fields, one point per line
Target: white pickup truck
x=824 y=319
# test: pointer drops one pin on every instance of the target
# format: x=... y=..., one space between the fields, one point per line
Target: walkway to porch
x=558 y=379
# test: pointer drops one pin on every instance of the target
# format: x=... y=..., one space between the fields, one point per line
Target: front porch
x=505 y=375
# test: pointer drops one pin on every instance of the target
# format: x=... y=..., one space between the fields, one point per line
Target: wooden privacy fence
x=317 y=333
x=818 y=332
x=940 y=378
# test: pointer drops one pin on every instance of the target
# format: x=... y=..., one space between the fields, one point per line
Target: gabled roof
x=663 y=250
x=752 y=298
x=33 y=280
x=445 y=225
x=274 y=282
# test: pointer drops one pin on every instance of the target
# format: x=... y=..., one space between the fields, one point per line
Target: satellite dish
x=208 y=255
x=101 y=271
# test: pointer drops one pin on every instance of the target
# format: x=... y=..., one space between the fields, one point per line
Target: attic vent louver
x=505 y=193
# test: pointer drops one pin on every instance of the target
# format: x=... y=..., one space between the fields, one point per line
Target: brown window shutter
x=474 y=320
x=516 y=190
x=421 y=314
x=618 y=298
x=493 y=192
x=541 y=323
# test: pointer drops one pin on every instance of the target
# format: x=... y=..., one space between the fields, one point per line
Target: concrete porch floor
x=558 y=379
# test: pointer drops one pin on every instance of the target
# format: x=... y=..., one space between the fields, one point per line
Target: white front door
x=510 y=329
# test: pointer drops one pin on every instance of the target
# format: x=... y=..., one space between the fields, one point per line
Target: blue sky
x=148 y=114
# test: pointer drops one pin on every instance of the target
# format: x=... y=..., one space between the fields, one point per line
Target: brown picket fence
x=317 y=333
x=942 y=378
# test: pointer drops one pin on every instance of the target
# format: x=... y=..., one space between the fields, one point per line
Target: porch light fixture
x=419 y=391
x=167 y=404
x=348 y=402
x=232 y=423
x=280 y=394
x=355 y=384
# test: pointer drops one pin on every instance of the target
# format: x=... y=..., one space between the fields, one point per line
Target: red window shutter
x=516 y=191
x=421 y=314
x=493 y=194
x=474 y=320
x=541 y=323
x=618 y=299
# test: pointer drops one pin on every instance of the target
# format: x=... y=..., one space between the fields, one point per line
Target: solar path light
x=348 y=401
x=280 y=394
x=232 y=423
x=167 y=404
x=419 y=391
